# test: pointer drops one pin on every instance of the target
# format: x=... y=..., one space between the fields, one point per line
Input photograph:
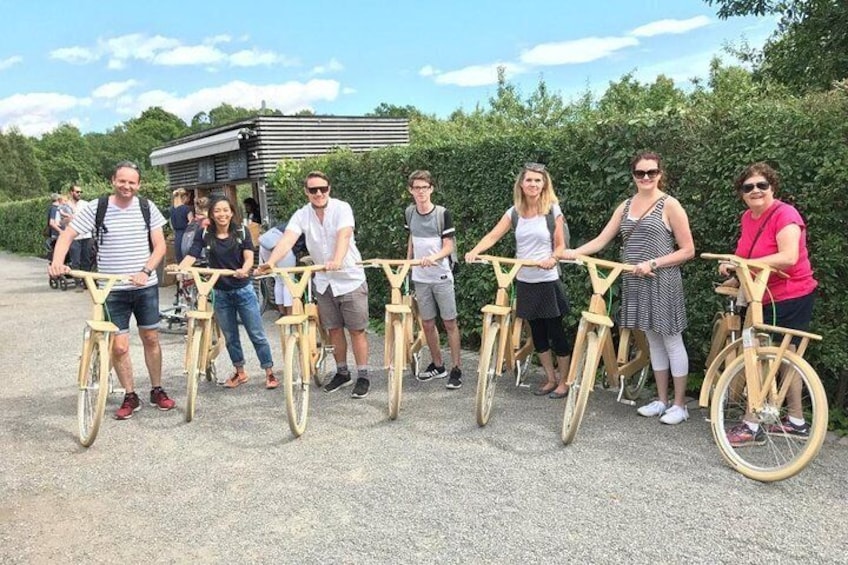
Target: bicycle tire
x=578 y=392
x=634 y=383
x=296 y=386
x=395 y=372
x=93 y=379
x=779 y=457
x=193 y=369
x=487 y=374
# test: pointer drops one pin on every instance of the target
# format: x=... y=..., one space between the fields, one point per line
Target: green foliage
x=20 y=175
x=809 y=49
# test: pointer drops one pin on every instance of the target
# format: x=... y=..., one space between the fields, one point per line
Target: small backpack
x=207 y=240
x=188 y=237
x=440 y=225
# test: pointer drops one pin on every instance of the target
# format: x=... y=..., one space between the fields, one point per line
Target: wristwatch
x=146 y=271
x=653 y=264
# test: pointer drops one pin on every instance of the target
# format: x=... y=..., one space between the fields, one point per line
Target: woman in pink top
x=774 y=233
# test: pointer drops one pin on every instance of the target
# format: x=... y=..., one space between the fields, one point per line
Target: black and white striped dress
x=650 y=303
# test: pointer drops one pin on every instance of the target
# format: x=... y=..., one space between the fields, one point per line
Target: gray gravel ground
x=234 y=486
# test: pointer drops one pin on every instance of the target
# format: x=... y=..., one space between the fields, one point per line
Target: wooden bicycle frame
x=204 y=315
x=753 y=278
x=305 y=316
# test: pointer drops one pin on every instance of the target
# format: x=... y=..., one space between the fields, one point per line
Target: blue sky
x=96 y=64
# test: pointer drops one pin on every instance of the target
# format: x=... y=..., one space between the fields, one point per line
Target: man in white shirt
x=341 y=291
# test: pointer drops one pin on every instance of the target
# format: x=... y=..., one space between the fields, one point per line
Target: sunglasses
x=651 y=173
x=535 y=167
x=316 y=189
x=749 y=186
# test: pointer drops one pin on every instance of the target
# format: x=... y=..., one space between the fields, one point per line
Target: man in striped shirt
x=125 y=248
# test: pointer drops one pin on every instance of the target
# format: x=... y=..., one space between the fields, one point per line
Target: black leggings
x=548 y=333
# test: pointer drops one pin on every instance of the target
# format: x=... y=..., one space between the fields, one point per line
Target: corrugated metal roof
x=223 y=142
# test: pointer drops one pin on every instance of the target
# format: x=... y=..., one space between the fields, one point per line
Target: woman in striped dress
x=655 y=239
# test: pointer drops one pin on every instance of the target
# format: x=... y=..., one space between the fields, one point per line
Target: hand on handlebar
x=548 y=263
x=332 y=265
x=55 y=270
x=472 y=257
x=726 y=269
x=263 y=269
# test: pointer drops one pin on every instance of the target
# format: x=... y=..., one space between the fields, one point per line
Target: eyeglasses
x=316 y=189
x=749 y=186
x=535 y=167
x=420 y=188
x=651 y=173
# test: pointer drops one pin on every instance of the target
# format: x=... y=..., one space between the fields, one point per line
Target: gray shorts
x=346 y=311
x=431 y=295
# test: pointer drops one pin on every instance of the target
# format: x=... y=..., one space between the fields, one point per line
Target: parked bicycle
x=765 y=384
x=404 y=332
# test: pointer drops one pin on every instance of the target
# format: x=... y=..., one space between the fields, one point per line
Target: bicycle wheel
x=321 y=350
x=395 y=372
x=487 y=374
x=636 y=348
x=296 y=385
x=775 y=455
x=578 y=393
x=93 y=379
x=216 y=342
x=193 y=368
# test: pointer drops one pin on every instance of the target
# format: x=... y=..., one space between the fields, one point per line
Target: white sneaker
x=655 y=408
x=675 y=415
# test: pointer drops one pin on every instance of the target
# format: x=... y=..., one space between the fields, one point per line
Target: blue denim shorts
x=142 y=303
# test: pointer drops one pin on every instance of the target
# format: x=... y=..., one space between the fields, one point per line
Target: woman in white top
x=541 y=296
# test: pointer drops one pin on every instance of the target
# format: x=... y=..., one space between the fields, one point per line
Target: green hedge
x=704 y=150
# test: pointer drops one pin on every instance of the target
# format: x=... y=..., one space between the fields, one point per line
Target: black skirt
x=541 y=300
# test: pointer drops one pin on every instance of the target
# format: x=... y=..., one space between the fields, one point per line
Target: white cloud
x=38 y=112
x=662 y=27
x=136 y=46
x=288 y=97
x=75 y=55
x=189 y=55
x=478 y=75
x=215 y=39
x=348 y=90
x=113 y=89
x=576 y=51
x=256 y=57
x=10 y=61
x=428 y=71
x=331 y=67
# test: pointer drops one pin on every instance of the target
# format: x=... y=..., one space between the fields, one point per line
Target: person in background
x=181 y=216
x=82 y=246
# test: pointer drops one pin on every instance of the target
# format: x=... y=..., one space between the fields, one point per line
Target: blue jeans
x=243 y=302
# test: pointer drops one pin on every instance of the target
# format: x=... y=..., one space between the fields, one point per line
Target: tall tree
x=809 y=49
x=20 y=172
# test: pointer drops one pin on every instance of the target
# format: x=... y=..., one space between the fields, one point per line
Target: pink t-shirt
x=800 y=281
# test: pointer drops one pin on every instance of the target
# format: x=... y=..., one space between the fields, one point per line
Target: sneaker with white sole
x=675 y=415
x=655 y=408
x=432 y=372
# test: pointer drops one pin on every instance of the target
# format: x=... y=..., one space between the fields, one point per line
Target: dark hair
x=760 y=168
x=650 y=156
x=126 y=165
x=316 y=175
x=420 y=175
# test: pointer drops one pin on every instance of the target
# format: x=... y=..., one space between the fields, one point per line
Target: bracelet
x=146 y=271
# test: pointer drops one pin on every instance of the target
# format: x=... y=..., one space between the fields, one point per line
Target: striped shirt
x=124 y=247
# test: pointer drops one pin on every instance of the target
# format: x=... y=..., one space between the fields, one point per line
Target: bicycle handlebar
x=487 y=259
x=99 y=276
x=201 y=271
x=377 y=263
x=606 y=264
x=741 y=261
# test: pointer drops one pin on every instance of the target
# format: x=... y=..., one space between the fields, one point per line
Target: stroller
x=66 y=281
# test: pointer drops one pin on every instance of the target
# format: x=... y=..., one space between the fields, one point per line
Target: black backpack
x=100 y=230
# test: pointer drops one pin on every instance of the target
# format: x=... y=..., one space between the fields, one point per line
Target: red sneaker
x=130 y=406
x=159 y=398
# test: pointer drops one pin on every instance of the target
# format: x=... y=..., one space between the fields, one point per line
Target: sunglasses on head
x=316 y=189
x=749 y=186
x=535 y=167
x=650 y=173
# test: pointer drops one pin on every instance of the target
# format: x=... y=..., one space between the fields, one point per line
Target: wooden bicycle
x=93 y=377
x=765 y=384
x=204 y=340
x=404 y=333
x=501 y=340
x=305 y=344
x=593 y=338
